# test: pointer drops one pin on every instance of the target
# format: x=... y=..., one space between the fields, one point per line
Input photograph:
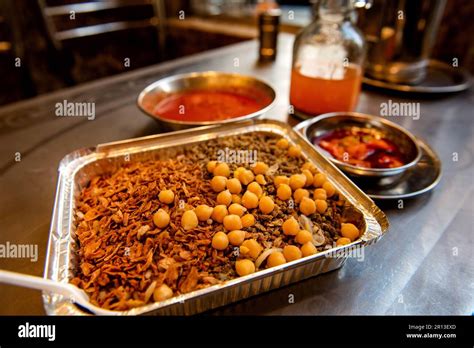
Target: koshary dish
x=151 y=231
x=156 y=229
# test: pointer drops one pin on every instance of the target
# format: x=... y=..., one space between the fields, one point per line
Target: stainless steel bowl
x=154 y=93
x=406 y=142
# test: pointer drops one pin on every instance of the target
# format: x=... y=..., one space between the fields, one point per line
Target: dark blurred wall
x=456 y=34
x=43 y=68
x=30 y=66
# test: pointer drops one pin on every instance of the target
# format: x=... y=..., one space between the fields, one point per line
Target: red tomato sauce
x=206 y=105
x=362 y=148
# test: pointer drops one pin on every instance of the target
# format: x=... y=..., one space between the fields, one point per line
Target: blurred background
x=47 y=45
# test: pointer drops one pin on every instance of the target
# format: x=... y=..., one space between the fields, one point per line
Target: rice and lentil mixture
x=155 y=229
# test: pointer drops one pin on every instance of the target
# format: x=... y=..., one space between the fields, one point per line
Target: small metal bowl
x=246 y=85
x=406 y=142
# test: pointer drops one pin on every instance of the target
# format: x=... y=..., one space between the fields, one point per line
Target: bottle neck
x=334 y=11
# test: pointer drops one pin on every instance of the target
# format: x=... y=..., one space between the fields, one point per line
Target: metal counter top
x=424 y=265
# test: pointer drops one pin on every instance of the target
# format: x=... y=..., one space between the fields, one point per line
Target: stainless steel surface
x=440 y=78
x=78 y=168
x=406 y=142
x=159 y=90
x=400 y=35
x=424 y=265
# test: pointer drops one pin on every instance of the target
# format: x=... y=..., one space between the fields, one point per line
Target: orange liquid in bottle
x=315 y=95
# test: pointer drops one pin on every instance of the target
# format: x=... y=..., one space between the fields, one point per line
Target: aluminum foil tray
x=78 y=167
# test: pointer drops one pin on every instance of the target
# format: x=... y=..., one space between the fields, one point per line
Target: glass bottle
x=328 y=58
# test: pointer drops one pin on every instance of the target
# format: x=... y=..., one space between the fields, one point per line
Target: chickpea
x=238 y=171
x=203 y=212
x=166 y=196
x=291 y=227
x=260 y=168
x=248 y=220
x=244 y=267
x=297 y=181
x=308 y=249
x=224 y=197
x=294 y=151
x=236 y=237
x=284 y=192
x=236 y=199
x=329 y=188
x=189 y=220
x=260 y=179
x=211 y=165
x=222 y=169
x=300 y=194
x=161 y=218
x=249 y=200
x=307 y=206
x=343 y=241
x=244 y=250
x=282 y=144
x=309 y=166
x=237 y=209
x=349 y=231
x=163 y=292
x=234 y=186
x=246 y=177
x=320 y=193
x=255 y=188
x=219 y=212
x=275 y=259
x=319 y=179
x=303 y=237
x=220 y=241
x=321 y=206
x=309 y=177
x=218 y=183
x=266 y=205
x=232 y=222
x=291 y=253
x=254 y=248
x=281 y=179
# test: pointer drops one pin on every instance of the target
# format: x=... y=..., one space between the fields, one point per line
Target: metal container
x=268 y=27
x=247 y=85
x=407 y=143
x=77 y=168
x=400 y=35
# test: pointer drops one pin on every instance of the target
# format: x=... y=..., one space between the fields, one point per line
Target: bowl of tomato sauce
x=205 y=98
x=362 y=144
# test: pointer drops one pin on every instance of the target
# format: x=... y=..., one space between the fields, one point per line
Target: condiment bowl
x=208 y=80
x=402 y=138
